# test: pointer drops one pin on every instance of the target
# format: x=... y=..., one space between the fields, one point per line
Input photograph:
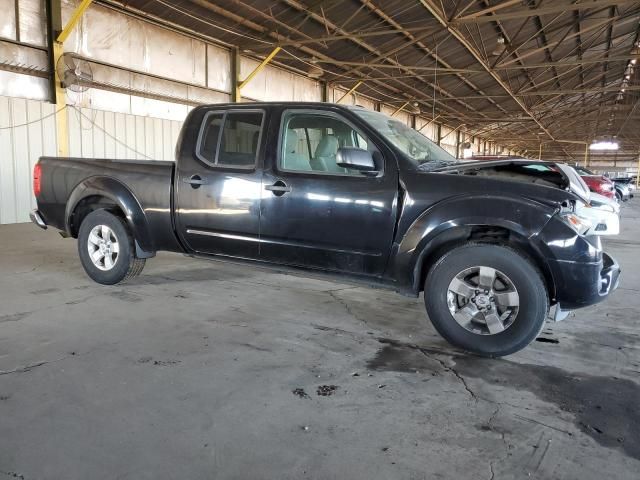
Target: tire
x=112 y=266
x=475 y=333
x=618 y=197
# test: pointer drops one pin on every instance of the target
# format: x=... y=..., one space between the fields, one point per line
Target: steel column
x=235 y=75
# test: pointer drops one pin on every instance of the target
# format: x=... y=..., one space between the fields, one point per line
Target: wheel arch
x=106 y=192
x=486 y=233
x=515 y=221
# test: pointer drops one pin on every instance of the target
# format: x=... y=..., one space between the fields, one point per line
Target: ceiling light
x=604 y=145
x=500 y=46
x=633 y=62
x=627 y=77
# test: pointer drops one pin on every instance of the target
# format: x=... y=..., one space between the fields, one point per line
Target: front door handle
x=195 y=181
x=279 y=188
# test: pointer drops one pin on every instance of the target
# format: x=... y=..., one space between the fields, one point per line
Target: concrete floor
x=202 y=370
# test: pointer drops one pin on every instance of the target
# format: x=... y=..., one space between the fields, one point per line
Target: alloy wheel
x=103 y=247
x=483 y=300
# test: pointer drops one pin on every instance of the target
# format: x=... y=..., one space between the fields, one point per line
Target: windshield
x=583 y=171
x=424 y=153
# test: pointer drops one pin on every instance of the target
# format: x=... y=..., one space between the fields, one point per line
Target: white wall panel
x=33 y=24
x=426 y=127
x=365 y=102
x=7 y=175
x=106 y=35
x=273 y=84
x=28 y=131
x=8 y=22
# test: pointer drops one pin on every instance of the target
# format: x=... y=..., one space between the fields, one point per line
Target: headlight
x=579 y=224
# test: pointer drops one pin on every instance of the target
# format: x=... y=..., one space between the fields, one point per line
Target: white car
x=603 y=213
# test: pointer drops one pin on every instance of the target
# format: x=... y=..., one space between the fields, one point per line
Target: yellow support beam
x=351 y=90
x=73 y=21
x=429 y=122
x=586 y=154
x=258 y=69
x=62 y=124
x=400 y=108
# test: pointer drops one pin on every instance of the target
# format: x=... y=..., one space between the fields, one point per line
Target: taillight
x=37 y=175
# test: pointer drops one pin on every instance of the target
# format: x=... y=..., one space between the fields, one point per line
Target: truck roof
x=279 y=104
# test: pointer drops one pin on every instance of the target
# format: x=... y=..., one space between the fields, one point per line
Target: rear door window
x=231 y=139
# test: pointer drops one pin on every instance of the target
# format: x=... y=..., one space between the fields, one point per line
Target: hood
x=576 y=184
x=551 y=174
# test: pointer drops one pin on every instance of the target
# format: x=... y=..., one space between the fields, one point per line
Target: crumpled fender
x=524 y=216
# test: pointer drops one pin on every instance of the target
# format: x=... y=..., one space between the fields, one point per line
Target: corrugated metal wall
x=28 y=131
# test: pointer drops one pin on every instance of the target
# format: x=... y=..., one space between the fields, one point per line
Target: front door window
x=311 y=142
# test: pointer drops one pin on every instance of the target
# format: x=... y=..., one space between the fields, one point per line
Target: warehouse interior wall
x=145 y=80
x=28 y=131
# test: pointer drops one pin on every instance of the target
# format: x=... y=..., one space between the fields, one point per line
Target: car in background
x=602 y=213
x=625 y=186
x=597 y=183
x=623 y=192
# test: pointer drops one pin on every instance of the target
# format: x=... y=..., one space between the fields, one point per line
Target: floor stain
x=605 y=408
x=125 y=296
x=14 y=317
x=398 y=357
x=326 y=390
x=166 y=363
x=45 y=290
x=299 y=392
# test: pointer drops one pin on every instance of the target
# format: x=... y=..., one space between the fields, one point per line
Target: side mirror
x=355 y=159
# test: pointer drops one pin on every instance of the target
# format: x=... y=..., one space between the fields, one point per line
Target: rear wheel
x=107 y=249
x=618 y=197
x=485 y=298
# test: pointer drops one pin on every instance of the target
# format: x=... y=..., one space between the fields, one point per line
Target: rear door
x=316 y=214
x=218 y=184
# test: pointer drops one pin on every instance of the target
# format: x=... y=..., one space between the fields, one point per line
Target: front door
x=317 y=214
x=218 y=184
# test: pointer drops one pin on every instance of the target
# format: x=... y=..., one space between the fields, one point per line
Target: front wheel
x=107 y=249
x=485 y=298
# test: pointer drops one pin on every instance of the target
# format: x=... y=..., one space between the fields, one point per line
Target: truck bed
x=149 y=181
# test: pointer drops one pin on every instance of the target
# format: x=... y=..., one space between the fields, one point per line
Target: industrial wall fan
x=74 y=72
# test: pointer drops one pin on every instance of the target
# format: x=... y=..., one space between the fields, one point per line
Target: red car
x=597 y=183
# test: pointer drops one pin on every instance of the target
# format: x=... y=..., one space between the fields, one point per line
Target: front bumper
x=585 y=284
x=37 y=219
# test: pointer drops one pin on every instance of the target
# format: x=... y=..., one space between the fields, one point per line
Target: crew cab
x=350 y=192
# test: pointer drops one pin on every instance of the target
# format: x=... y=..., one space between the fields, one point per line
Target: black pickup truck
x=493 y=245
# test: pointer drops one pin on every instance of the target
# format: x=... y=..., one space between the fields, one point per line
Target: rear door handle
x=279 y=188
x=195 y=181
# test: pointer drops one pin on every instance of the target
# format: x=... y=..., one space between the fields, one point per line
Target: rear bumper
x=585 y=284
x=37 y=219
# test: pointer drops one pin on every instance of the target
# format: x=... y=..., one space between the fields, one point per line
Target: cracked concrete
x=188 y=372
